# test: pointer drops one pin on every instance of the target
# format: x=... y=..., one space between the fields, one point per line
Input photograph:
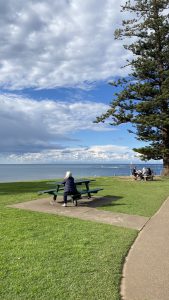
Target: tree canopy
x=143 y=99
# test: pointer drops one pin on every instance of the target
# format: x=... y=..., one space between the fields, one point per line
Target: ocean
x=28 y=172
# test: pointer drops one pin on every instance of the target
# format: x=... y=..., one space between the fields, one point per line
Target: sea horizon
x=84 y=163
x=38 y=171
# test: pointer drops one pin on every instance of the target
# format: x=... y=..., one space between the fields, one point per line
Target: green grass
x=50 y=257
x=133 y=197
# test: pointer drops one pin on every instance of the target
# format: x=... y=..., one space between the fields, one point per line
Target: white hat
x=68 y=174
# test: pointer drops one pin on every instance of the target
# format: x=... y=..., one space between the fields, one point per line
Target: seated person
x=139 y=175
x=69 y=187
x=144 y=170
x=134 y=173
x=149 y=172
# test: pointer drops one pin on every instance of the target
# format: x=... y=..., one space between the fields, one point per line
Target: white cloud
x=46 y=44
x=43 y=131
x=97 y=153
x=28 y=125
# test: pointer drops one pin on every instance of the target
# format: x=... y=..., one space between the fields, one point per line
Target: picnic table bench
x=148 y=177
x=74 y=197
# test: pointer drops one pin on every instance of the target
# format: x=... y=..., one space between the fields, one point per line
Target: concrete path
x=86 y=210
x=146 y=271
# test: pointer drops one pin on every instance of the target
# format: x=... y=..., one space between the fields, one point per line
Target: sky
x=57 y=59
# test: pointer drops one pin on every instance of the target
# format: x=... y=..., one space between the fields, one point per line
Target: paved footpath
x=146 y=271
x=86 y=211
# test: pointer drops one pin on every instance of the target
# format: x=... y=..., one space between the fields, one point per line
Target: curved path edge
x=146 y=269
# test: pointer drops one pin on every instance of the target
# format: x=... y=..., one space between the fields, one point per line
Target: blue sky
x=57 y=58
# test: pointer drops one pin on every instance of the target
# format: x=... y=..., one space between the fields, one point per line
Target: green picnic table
x=59 y=190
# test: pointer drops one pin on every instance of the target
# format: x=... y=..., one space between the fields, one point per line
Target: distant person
x=139 y=175
x=144 y=171
x=134 y=173
x=69 y=187
x=149 y=172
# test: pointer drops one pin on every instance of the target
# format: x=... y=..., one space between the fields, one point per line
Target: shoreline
x=156 y=177
x=31 y=172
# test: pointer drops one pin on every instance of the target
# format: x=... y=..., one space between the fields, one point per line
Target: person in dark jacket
x=134 y=173
x=69 y=187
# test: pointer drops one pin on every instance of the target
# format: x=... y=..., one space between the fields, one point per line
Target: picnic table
x=59 y=190
x=148 y=177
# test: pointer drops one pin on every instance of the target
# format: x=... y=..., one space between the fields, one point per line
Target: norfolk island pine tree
x=143 y=99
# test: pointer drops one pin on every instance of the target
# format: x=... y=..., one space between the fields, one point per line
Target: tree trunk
x=165 y=171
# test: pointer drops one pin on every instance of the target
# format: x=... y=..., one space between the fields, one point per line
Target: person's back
x=134 y=172
x=70 y=185
x=149 y=172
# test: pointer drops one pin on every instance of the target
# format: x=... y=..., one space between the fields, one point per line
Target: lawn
x=50 y=257
x=134 y=197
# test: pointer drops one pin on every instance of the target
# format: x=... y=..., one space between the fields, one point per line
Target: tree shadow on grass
x=107 y=200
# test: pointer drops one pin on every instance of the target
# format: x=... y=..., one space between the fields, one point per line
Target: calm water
x=12 y=173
